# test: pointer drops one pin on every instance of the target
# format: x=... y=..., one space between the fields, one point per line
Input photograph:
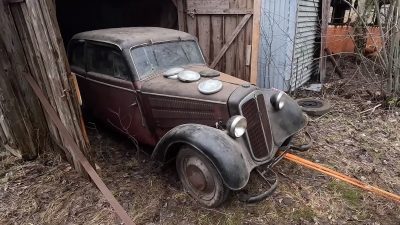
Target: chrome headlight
x=236 y=126
x=277 y=100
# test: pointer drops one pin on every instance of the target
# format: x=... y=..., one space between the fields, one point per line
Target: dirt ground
x=350 y=139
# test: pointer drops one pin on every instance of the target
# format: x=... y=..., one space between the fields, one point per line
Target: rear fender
x=222 y=150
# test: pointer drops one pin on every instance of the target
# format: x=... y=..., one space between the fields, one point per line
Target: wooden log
x=334 y=63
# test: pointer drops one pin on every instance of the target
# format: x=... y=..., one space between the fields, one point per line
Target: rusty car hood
x=171 y=87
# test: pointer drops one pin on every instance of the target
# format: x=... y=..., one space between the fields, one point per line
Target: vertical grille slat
x=258 y=130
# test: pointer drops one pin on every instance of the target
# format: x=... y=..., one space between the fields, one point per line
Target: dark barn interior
x=76 y=16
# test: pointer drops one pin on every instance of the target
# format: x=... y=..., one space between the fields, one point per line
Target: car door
x=77 y=62
x=114 y=98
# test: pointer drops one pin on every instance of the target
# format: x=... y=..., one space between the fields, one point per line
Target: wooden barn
x=39 y=104
x=233 y=35
x=261 y=41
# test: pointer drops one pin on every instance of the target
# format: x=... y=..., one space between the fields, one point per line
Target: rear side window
x=106 y=60
x=77 y=57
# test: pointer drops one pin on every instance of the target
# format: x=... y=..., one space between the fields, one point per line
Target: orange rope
x=342 y=177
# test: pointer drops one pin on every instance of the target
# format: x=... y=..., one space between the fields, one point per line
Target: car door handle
x=133 y=104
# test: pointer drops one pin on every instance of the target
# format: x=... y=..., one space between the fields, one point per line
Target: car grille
x=169 y=112
x=258 y=128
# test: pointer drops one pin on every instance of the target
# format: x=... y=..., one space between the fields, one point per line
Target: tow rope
x=342 y=177
x=77 y=154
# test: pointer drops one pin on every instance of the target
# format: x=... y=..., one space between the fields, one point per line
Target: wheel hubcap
x=199 y=178
x=196 y=177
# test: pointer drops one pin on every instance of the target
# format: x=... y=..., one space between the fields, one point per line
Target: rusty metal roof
x=127 y=37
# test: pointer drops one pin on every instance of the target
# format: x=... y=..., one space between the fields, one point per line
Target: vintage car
x=153 y=85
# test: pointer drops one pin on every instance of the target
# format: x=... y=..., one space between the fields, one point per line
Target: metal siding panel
x=307 y=30
x=277 y=41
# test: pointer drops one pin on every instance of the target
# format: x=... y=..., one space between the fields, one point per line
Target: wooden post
x=20 y=108
x=44 y=58
x=325 y=5
x=255 y=42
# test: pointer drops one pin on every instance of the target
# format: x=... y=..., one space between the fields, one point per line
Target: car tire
x=314 y=107
x=200 y=178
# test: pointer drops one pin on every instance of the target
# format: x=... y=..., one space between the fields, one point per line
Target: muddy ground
x=360 y=143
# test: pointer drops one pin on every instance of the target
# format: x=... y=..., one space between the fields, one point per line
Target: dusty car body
x=217 y=139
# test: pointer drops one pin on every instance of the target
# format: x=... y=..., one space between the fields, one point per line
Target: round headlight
x=236 y=126
x=277 y=101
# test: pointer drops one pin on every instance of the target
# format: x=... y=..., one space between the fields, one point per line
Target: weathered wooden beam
x=255 y=42
x=13 y=151
x=332 y=59
x=46 y=61
x=175 y=3
x=219 y=11
x=181 y=15
x=323 y=32
x=3 y=136
x=19 y=108
x=230 y=40
x=13 y=109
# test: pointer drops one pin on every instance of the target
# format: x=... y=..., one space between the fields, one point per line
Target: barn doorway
x=76 y=16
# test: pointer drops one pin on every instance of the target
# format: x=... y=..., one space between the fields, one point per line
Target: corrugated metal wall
x=304 y=62
x=287 y=43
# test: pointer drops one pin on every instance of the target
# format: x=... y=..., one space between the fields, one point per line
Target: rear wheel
x=200 y=177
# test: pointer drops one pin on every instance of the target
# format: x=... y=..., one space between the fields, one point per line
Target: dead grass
x=365 y=146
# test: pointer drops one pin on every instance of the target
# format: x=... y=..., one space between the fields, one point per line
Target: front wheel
x=200 y=177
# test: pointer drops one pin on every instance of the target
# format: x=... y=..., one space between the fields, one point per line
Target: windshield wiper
x=184 y=51
x=154 y=54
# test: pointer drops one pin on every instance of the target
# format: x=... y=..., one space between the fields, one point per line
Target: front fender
x=287 y=121
x=223 y=151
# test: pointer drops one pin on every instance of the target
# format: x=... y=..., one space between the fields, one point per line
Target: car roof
x=127 y=37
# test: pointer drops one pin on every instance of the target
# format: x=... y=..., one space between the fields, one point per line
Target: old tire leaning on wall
x=314 y=107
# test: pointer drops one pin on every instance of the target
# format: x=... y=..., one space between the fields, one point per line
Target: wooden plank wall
x=33 y=34
x=22 y=123
x=213 y=22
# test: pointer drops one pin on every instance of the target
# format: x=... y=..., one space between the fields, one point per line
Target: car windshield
x=151 y=58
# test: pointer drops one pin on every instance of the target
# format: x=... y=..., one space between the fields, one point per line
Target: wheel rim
x=198 y=177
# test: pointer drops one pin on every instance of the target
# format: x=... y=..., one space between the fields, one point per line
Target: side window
x=107 y=61
x=77 y=57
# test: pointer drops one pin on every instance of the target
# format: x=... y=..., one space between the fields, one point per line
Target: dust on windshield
x=151 y=58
